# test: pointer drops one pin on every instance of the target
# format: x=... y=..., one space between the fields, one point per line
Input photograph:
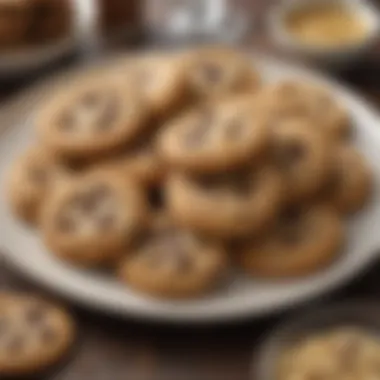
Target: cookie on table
x=215 y=72
x=226 y=206
x=302 y=242
x=174 y=263
x=217 y=137
x=31 y=179
x=94 y=117
x=159 y=80
x=91 y=220
x=34 y=335
x=350 y=180
x=301 y=154
x=291 y=98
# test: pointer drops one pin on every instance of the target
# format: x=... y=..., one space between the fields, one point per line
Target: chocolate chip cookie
x=216 y=138
x=227 y=206
x=159 y=80
x=93 y=117
x=303 y=241
x=215 y=72
x=172 y=262
x=90 y=221
x=290 y=98
x=34 y=335
x=349 y=185
x=301 y=154
x=31 y=179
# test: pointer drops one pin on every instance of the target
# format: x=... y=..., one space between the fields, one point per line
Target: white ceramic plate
x=241 y=297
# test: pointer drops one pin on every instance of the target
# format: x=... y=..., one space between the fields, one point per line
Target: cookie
x=216 y=138
x=290 y=98
x=301 y=154
x=34 y=335
x=159 y=80
x=226 y=206
x=171 y=262
x=92 y=118
x=141 y=162
x=217 y=72
x=350 y=181
x=91 y=220
x=31 y=179
x=302 y=242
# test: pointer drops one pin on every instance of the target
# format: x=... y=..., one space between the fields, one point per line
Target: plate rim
x=159 y=315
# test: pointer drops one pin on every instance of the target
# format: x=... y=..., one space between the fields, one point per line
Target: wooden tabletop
x=111 y=349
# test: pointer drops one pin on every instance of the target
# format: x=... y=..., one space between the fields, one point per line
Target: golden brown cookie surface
x=91 y=220
x=301 y=154
x=217 y=72
x=216 y=138
x=94 y=117
x=350 y=183
x=172 y=262
x=226 y=206
x=31 y=179
x=34 y=335
x=304 y=241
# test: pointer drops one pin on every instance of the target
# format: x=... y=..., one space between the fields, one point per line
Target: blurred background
x=40 y=38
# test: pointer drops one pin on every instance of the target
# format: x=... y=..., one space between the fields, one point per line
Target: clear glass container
x=198 y=21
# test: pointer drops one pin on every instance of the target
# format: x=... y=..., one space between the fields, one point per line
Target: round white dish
x=241 y=297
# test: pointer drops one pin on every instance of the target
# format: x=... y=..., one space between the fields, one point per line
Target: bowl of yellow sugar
x=326 y=31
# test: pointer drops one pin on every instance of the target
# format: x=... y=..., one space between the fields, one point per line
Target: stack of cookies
x=171 y=169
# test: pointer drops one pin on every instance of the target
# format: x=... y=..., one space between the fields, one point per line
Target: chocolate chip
x=290 y=227
x=92 y=198
x=335 y=180
x=183 y=262
x=35 y=314
x=289 y=154
x=15 y=344
x=65 y=224
x=243 y=186
x=291 y=216
x=156 y=198
x=90 y=99
x=106 y=222
x=212 y=72
x=48 y=334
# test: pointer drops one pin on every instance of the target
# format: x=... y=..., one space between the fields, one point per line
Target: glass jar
x=197 y=21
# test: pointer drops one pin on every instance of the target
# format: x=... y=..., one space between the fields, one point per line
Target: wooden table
x=110 y=349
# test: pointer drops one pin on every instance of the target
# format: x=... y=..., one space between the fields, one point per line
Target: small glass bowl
x=361 y=314
x=339 y=56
